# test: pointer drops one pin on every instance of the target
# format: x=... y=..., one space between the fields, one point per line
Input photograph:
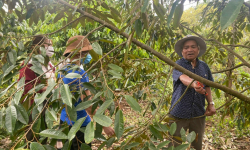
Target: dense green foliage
x=123 y=68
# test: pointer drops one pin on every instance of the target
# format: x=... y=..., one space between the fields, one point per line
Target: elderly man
x=188 y=112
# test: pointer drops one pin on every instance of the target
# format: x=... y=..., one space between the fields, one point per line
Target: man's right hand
x=198 y=88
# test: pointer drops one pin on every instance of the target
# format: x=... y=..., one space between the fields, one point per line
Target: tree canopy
x=133 y=58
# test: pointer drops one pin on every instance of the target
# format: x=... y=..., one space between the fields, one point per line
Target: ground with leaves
x=218 y=135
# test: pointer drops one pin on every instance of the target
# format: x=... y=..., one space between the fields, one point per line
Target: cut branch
x=166 y=59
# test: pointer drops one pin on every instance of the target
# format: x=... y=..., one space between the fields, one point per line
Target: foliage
x=124 y=73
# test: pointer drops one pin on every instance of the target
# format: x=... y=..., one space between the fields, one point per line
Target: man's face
x=190 y=50
x=47 y=43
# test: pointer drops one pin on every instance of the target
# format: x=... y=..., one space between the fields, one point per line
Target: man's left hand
x=210 y=111
x=109 y=131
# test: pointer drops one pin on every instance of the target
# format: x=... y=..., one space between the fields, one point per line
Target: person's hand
x=109 y=131
x=210 y=110
x=199 y=88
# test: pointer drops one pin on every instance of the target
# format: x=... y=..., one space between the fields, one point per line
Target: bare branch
x=244 y=46
x=229 y=69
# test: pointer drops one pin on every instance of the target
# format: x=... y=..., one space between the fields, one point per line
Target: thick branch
x=229 y=69
x=164 y=58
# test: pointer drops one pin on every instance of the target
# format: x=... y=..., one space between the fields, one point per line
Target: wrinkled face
x=190 y=50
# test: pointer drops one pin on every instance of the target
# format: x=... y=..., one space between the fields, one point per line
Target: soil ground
x=210 y=142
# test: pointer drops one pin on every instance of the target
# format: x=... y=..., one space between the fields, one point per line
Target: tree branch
x=166 y=59
x=244 y=46
x=229 y=69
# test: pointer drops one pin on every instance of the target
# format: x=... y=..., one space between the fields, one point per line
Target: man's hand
x=109 y=131
x=199 y=88
x=210 y=111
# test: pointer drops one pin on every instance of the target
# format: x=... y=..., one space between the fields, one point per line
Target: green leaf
x=115 y=67
x=115 y=15
x=94 y=55
x=104 y=106
x=182 y=147
x=66 y=95
x=49 y=147
x=162 y=144
x=55 y=94
x=138 y=27
x=177 y=15
x=104 y=5
x=73 y=75
x=52 y=133
x=40 y=98
x=217 y=92
x=159 y=9
x=21 y=82
x=51 y=114
x=89 y=133
x=97 y=95
x=77 y=125
x=145 y=5
x=37 y=69
x=97 y=48
x=40 y=58
x=36 y=146
x=1 y=4
x=191 y=137
x=84 y=105
x=90 y=87
x=22 y=115
x=170 y=16
x=230 y=13
x=12 y=56
x=183 y=135
x=102 y=120
x=18 y=96
x=132 y=145
x=29 y=13
x=173 y=128
x=161 y=127
x=72 y=113
x=37 y=125
x=4 y=92
x=20 y=45
x=2 y=117
x=110 y=142
x=155 y=132
x=133 y=103
x=115 y=74
x=10 y=119
x=59 y=16
x=8 y=70
x=119 y=124
x=85 y=147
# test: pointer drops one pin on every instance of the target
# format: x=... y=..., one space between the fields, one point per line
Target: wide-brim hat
x=77 y=42
x=201 y=43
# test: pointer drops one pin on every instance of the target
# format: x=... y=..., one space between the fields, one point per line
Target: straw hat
x=201 y=43
x=76 y=42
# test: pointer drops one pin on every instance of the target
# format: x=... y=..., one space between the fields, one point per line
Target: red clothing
x=29 y=76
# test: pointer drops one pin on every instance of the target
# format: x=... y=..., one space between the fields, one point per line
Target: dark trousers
x=194 y=124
